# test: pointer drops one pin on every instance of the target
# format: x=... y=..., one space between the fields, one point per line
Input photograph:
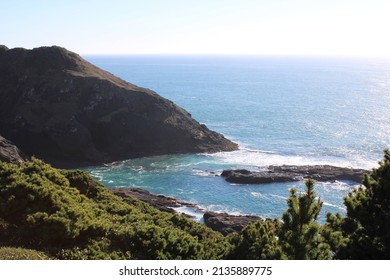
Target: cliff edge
x=9 y=152
x=59 y=107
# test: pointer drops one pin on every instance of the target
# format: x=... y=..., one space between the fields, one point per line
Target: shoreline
x=222 y=222
x=226 y=223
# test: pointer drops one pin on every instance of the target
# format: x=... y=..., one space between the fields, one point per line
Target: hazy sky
x=310 y=27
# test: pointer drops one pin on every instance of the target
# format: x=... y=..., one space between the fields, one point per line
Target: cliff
x=9 y=152
x=59 y=107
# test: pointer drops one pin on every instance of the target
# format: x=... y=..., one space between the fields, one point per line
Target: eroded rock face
x=291 y=173
x=59 y=107
x=9 y=152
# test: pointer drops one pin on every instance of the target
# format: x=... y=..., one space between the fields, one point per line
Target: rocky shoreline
x=221 y=222
x=292 y=173
x=160 y=202
x=226 y=223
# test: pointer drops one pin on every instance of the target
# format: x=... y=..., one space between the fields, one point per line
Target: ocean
x=279 y=109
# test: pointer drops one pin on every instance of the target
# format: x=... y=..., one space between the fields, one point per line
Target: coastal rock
x=322 y=172
x=59 y=107
x=291 y=173
x=225 y=223
x=161 y=202
x=9 y=152
x=243 y=176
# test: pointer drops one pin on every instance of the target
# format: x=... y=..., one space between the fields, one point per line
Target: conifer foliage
x=69 y=215
x=365 y=231
x=299 y=235
x=257 y=241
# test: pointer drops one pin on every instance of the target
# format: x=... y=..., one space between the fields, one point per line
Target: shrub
x=70 y=215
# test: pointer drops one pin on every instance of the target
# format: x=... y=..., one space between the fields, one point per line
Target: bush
x=257 y=241
x=73 y=216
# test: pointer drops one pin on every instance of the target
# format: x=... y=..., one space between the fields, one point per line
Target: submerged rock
x=291 y=173
x=59 y=107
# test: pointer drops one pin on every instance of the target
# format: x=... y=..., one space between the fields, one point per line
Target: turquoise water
x=281 y=110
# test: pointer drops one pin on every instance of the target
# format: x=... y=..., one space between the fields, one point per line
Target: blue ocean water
x=281 y=110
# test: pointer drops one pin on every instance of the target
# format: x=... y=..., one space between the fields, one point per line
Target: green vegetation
x=299 y=236
x=363 y=234
x=51 y=213
x=71 y=216
x=9 y=253
x=365 y=231
x=257 y=241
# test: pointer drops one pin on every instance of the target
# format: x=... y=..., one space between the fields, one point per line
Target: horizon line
x=386 y=56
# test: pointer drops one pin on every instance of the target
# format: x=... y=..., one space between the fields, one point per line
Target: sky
x=263 y=27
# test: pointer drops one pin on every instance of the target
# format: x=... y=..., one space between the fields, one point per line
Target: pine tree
x=299 y=235
x=365 y=231
x=257 y=241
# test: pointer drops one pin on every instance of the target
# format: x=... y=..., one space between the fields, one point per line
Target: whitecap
x=261 y=158
x=334 y=206
x=259 y=195
x=196 y=215
x=222 y=209
x=278 y=196
x=204 y=173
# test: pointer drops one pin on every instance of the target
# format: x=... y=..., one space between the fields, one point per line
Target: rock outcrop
x=243 y=176
x=59 y=107
x=291 y=173
x=226 y=223
x=9 y=152
x=161 y=202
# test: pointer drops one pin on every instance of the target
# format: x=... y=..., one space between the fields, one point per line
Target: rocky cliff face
x=59 y=107
x=9 y=152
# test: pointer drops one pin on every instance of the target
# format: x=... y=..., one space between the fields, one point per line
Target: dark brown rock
x=3 y=48
x=225 y=223
x=243 y=176
x=9 y=152
x=322 y=172
x=59 y=107
x=161 y=202
x=290 y=173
